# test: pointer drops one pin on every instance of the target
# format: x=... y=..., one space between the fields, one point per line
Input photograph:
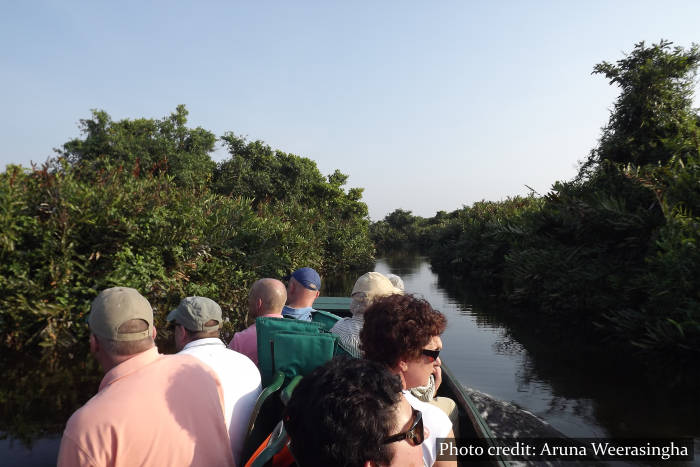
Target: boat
x=278 y=388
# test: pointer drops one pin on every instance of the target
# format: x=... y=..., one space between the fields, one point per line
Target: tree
x=652 y=119
x=292 y=184
x=256 y=171
x=148 y=146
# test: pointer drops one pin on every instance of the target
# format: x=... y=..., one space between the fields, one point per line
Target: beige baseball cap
x=194 y=312
x=373 y=285
x=114 y=307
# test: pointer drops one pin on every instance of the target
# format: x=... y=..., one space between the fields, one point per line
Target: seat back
x=325 y=318
x=298 y=353
x=266 y=413
x=266 y=328
x=273 y=452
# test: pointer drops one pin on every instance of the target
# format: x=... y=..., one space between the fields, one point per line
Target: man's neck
x=300 y=304
x=109 y=361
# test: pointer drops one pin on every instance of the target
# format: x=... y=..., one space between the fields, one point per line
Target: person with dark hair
x=150 y=409
x=402 y=332
x=351 y=413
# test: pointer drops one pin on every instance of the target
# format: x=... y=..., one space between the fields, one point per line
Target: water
x=580 y=391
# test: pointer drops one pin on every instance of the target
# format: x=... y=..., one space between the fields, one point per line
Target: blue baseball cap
x=307 y=277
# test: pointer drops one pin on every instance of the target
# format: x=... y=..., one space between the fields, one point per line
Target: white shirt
x=437 y=422
x=240 y=380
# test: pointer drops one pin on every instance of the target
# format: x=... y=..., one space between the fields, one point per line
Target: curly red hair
x=399 y=326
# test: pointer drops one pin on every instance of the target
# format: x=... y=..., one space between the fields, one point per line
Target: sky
x=428 y=106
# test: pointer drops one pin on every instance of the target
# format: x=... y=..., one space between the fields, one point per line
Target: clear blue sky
x=427 y=105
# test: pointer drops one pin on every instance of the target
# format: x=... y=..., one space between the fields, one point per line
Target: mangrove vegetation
x=141 y=203
x=615 y=252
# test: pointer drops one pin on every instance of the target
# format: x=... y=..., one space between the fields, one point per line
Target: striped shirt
x=348 y=332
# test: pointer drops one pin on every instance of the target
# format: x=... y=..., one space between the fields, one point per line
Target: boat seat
x=325 y=318
x=299 y=353
x=290 y=350
x=266 y=328
x=286 y=393
x=266 y=412
x=274 y=451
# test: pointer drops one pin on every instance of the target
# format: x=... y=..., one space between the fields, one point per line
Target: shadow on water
x=601 y=385
x=37 y=396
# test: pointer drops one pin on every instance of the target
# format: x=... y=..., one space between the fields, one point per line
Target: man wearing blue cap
x=304 y=286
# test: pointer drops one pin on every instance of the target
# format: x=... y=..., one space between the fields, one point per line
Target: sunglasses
x=434 y=354
x=415 y=435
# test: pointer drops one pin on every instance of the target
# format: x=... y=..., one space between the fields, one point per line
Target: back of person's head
x=201 y=317
x=399 y=326
x=304 y=287
x=368 y=287
x=342 y=412
x=121 y=319
x=266 y=296
x=396 y=281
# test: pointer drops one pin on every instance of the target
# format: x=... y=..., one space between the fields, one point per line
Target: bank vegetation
x=141 y=203
x=614 y=252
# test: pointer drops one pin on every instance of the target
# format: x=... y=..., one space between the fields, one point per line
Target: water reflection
x=39 y=393
x=406 y=262
x=580 y=389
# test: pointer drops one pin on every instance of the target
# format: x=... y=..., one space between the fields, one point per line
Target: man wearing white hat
x=367 y=288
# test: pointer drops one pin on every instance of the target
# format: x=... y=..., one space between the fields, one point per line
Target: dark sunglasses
x=434 y=354
x=415 y=435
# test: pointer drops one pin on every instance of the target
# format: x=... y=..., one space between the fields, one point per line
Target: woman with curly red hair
x=403 y=333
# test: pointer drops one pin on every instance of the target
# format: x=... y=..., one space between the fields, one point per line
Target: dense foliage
x=140 y=204
x=614 y=252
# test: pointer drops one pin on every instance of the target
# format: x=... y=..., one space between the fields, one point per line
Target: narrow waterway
x=580 y=392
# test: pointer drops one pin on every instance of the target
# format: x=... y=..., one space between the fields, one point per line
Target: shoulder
x=340 y=325
x=436 y=420
x=248 y=333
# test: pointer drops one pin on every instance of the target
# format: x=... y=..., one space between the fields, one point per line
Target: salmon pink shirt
x=152 y=409
x=246 y=341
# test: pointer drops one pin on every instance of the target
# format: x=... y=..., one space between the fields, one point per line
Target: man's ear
x=94 y=345
x=318 y=292
x=155 y=332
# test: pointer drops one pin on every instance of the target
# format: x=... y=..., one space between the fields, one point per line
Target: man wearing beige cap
x=148 y=409
x=197 y=323
x=367 y=288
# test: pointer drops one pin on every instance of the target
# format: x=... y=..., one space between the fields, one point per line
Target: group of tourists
x=194 y=407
